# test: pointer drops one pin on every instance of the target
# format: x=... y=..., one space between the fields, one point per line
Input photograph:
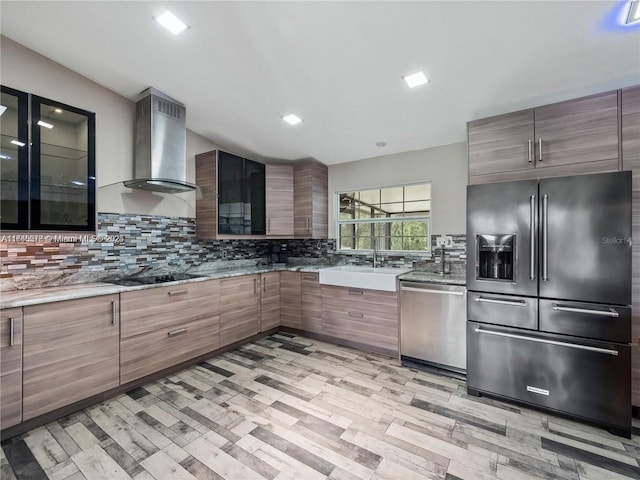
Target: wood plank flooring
x=287 y=407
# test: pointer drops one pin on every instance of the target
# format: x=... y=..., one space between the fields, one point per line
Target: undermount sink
x=381 y=278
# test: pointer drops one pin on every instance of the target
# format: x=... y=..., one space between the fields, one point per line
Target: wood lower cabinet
x=290 y=299
x=155 y=308
x=239 y=308
x=311 y=303
x=269 y=301
x=70 y=352
x=575 y=137
x=630 y=123
x=311 y=199
x=155 y=351
x=10 y=367
x=279 y=200
x=364 y=318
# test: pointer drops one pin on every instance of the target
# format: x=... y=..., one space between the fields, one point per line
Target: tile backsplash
x=128 y=244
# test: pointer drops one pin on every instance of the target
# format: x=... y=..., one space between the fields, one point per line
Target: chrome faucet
x=375 y=252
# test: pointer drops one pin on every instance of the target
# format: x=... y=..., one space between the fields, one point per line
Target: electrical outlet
x=444 y=241
x=223 y=254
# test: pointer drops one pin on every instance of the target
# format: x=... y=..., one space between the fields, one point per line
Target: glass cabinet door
x=62 y=166
x=230 y=194
x=14 y=159
x=254 y=198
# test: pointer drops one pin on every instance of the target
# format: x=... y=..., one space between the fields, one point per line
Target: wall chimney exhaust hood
x=160 y=158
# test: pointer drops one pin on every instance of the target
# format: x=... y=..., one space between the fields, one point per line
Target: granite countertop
x=428 y=277
x=35 y=296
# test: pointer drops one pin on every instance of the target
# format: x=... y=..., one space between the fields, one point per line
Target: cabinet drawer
x=375 y=329
x=151 y=309
x=584 y=378
x=521 y=312
x=372 y=300
x=149 y=353
x=11 y=367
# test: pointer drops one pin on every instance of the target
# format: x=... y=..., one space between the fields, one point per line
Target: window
x=397 y=217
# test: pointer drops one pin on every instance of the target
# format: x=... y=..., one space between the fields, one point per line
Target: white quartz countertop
x=36 y=296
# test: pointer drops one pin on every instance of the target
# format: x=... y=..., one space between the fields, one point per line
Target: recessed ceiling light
x=172 y=23
x=292 y=119
x=18 y=143
x=58 y=110
x=634 y=12
x=45 y=124
x=416 y=79
x=381 y=144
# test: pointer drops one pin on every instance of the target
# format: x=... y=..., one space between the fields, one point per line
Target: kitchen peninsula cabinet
x=165 y=326
x=269 y=301
x=311 y=303
x=310 y=203
x=290 y=299
x=10 y=367
x=239 y=308
x=279 y=200
x=362 y=318
x=70 y=352
x=630 y=122
x=566 y=138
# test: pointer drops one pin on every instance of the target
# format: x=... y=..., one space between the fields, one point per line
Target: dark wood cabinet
x=566 y=138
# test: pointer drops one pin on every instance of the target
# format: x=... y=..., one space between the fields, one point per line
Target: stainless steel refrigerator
x=549 y=294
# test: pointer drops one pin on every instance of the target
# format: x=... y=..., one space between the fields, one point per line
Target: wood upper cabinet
x=311 y=303
x=568 y=138
x=501 y=144
x=577 y=131
x=310 y=190
x=630 y=123
x=290 y=299
x=363 y=318
x=269 y=301
x=279 y=200
x=239 y=308
x=10 y=367
x=70 y=352
x=207 y=201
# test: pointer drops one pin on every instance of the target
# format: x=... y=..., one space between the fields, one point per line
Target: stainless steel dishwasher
x=433 y=325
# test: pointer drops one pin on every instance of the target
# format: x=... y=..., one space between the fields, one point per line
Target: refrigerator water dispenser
x=495 y=257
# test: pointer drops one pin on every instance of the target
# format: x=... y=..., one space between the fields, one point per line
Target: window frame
x=372 y=221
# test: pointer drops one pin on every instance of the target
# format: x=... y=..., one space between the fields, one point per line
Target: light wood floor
x=288 y=407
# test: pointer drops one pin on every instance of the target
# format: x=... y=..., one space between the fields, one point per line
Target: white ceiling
x=338 y=64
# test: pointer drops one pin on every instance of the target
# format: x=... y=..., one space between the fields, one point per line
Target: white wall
x=31 y=72
x=445 y=167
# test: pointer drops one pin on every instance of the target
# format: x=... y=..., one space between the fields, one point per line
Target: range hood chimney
x=160 y=158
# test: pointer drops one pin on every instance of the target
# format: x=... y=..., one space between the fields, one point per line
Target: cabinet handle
x=540 y=149
x=255 y=287
x=545 y=237
x=308 y=224
x=427 y=290
x=11 y=331
x=517 y=303
x=355 y=292
x=356 y=314
x=180 y=331
x=114 y=313
x=532 y=237
x=603 y=313
x=268 y=225
x=177 y=292
x=264 y=284
x=530 y=145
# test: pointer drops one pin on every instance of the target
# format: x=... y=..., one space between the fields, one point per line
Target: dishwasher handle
x=428 y=290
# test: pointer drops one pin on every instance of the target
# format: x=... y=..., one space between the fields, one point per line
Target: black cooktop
x=151 y=280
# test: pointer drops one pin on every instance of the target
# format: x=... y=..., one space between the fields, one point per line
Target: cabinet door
x=230 y=194
x=71 y=352
x=10 y=367
x=254 y=198
x=311 y=317
x=239 y=308
x=503 y=143
x=279 y=200
x=577 y=131
x=269 y=301
x=207 y=201
x=63 y=166
x=310 y=191
x=290 y=299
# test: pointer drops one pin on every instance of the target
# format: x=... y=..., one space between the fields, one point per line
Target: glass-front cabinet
x=59 y=192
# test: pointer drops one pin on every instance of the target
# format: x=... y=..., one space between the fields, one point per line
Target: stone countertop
x=428 y=277
x=36 y=296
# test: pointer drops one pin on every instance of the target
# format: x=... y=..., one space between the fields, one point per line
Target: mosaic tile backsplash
x=130 y=244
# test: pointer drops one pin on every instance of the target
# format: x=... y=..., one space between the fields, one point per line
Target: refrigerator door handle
x=550 y=342
x=545 y=237
x=604 y=313
x=518 y=303
x=532 y=240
